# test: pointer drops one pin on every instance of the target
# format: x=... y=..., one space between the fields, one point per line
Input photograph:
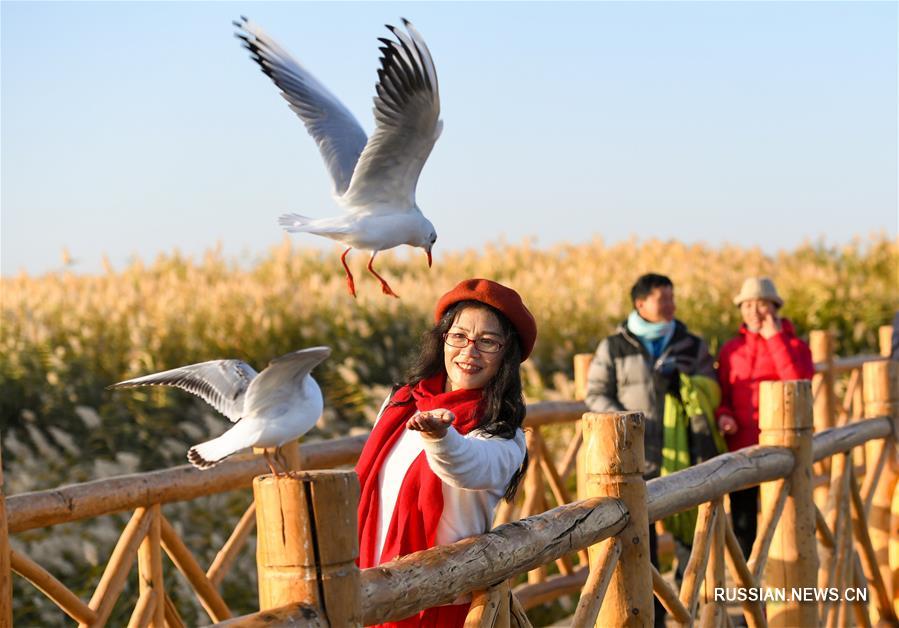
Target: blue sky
x=135 y=128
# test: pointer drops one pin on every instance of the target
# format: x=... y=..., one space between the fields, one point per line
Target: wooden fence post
x=307 y=544
x=614 y=460
x=894 y=550
x=534 y=501
x=714 y=612
x=785 y=420
x=5 y=566
x=581 y=367
x=885 y=339
x=149 y=561
x=821 y=345
x=881 y=394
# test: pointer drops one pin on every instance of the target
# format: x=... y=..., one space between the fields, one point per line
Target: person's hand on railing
x=431 y=423
x=727 y=424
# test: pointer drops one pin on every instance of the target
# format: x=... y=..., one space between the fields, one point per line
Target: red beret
x=500 y=297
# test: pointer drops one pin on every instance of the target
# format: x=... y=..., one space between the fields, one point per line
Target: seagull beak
x=428 y=251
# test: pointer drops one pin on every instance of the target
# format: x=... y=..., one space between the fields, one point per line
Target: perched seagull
x=374 y=179
x=269 y=409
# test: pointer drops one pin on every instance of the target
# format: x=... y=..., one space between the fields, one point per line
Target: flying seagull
x=374 y=179
x=269 y=409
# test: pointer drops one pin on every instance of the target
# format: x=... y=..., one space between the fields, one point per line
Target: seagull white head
x=429 y=237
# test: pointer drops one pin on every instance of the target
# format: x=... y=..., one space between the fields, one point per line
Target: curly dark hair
x=502 y=406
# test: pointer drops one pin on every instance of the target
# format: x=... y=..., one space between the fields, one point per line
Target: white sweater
x=475 y=469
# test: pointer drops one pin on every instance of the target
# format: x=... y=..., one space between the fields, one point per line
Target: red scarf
x=419 y=504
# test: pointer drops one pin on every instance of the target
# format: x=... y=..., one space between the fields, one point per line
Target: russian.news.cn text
x=794 y=594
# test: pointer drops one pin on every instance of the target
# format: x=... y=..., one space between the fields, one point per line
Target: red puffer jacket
x=748 y=359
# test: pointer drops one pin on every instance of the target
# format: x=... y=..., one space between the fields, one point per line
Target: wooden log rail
x=844 y=365
x=146 y=492
x=705 y=483
x=724 y=474
x=441 y=574
x=665 y=496
x=40 y=509
x=828 y=413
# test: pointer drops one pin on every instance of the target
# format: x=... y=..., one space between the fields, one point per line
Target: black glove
x=669 y=365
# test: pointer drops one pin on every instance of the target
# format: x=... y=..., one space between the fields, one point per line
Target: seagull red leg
x=386 y=289
x=281 y=458
x=268 y=461
x=350 y=284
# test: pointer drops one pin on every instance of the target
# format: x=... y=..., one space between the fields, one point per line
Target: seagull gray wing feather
x=222 y=384
x=279 y=382
x=338 y=134
x=407 y=113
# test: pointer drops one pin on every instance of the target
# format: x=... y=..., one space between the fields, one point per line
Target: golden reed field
x=66 y=336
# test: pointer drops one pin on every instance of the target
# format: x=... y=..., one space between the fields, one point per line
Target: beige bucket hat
x=758 y=288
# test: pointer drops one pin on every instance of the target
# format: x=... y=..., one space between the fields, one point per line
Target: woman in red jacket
x=766 y=349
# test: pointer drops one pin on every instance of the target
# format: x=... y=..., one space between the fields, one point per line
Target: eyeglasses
x=460 y=341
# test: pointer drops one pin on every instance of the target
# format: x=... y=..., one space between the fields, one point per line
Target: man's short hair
x=646 y=284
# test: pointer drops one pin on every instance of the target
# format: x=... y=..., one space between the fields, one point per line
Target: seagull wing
x=220 y=383
x=407 y=111
x=339 y=136
x=280 y=380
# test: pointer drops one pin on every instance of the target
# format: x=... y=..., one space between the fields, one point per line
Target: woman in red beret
x=448 y=445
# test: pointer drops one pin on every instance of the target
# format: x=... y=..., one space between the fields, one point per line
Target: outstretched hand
x=431 y=423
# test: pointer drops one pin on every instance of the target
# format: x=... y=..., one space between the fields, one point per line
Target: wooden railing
x=620 y=583
x=148 y=532
x=561 y=536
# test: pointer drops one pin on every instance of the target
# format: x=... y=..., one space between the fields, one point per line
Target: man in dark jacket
x=637 y=366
